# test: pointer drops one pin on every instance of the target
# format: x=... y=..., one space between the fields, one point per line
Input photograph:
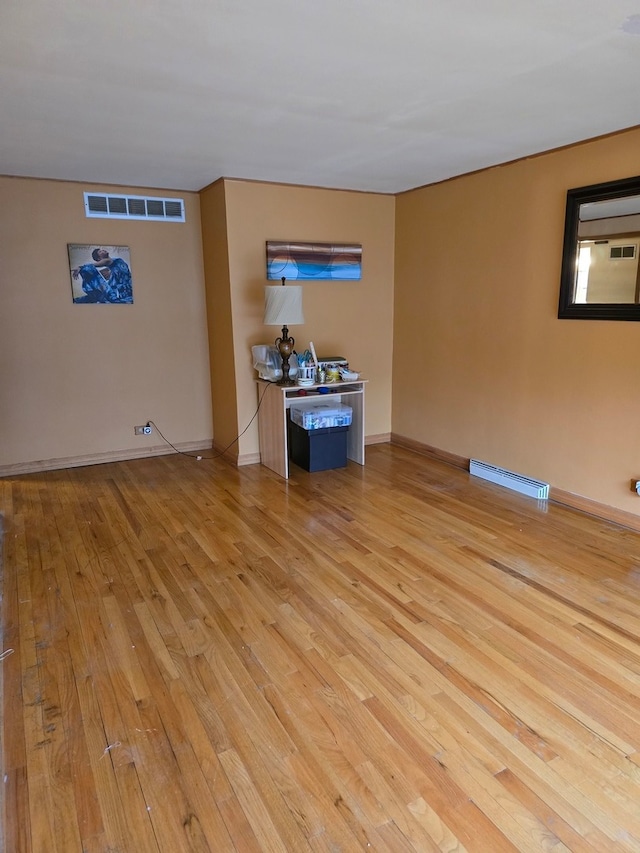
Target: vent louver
x=108 y=206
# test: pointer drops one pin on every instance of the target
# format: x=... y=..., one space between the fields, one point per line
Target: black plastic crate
x=318 y=449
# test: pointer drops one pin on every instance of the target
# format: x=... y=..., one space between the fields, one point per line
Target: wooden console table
x=273 y=415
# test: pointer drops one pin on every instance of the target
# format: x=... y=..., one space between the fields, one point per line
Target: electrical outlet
x=144 y=429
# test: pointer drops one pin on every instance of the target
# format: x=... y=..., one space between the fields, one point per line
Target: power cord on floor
x=199 y=457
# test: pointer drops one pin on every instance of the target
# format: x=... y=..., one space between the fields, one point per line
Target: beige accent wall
x=218 y=295
x=353 y=319
x=482 y=366
x=76 y=379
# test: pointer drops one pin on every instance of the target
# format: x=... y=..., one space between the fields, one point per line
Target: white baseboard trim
x=99 y=458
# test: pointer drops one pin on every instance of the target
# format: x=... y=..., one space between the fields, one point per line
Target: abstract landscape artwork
x=314 y=261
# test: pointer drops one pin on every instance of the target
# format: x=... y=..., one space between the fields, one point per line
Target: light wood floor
x=389 y=658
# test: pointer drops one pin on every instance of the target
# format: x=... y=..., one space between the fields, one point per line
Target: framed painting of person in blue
x=100 y=274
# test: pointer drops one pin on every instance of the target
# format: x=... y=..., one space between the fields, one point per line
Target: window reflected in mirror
x=608 y=236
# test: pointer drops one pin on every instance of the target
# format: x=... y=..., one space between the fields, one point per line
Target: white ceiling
x=380 y=95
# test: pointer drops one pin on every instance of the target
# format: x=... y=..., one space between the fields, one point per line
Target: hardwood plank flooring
x=396 y=657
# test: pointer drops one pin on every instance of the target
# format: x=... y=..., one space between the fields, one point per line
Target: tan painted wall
x=482 y=366
x=75 y=379
x=221 y=357
x=354 y=319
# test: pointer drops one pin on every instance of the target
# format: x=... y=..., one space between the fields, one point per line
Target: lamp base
x=285 y=346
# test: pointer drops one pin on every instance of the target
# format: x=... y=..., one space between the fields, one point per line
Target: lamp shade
x=283 y=305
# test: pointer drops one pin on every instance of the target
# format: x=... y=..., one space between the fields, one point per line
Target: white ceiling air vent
x=103 y=206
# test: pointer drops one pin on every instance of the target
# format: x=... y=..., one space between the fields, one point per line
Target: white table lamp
x=283 y=306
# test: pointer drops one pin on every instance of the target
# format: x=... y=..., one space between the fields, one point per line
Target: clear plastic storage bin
x=317 y=415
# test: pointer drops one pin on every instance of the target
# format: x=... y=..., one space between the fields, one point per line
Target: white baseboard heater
x=524 y=485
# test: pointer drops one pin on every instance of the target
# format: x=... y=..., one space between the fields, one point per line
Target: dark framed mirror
x=600 y=278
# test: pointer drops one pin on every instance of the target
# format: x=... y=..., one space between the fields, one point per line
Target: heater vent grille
x=524 y=485
x=109 y=206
